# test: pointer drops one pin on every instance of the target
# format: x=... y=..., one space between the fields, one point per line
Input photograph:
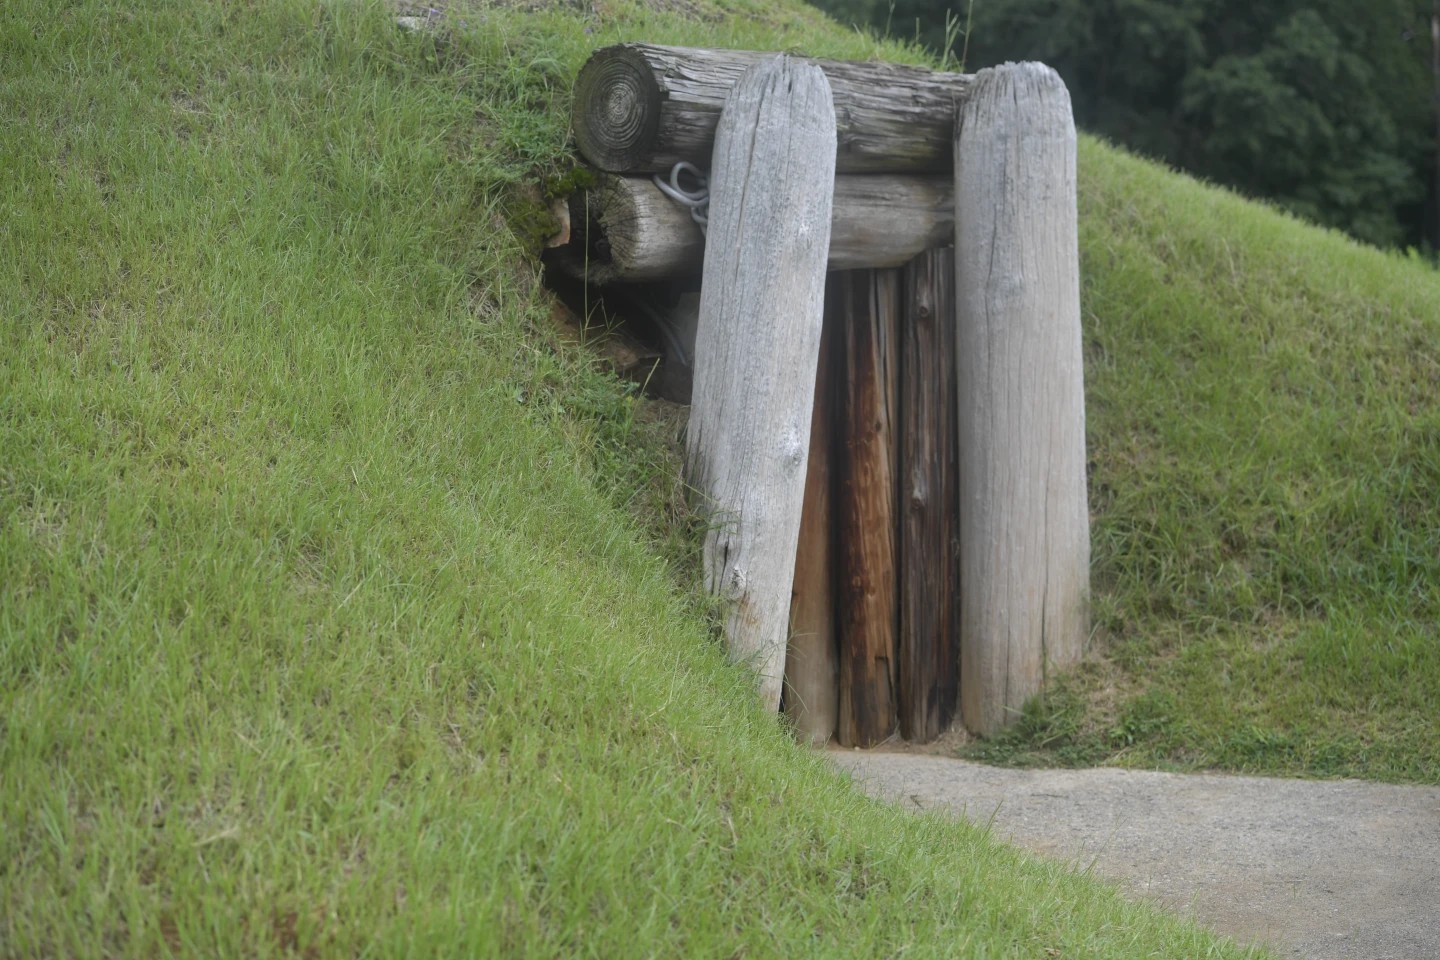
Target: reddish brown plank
x=812 y=666
x=928 y=677
x=868 y=304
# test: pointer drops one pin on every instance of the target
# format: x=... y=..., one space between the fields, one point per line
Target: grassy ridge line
x=316 y=635
x=1264 y=432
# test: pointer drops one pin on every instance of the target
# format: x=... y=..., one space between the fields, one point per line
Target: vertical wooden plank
x=1024 y=521
x=865 y=506
x=812 y=667
x=756 y=347
x=929 y=500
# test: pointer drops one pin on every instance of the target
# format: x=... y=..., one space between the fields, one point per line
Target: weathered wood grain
x=628 y=231
x=1024 y=525
x=927 y=644
x=640 y=108
x=757 y=346
x=812 y=667
x=869 y=308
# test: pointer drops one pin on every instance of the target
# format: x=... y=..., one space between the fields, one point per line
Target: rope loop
x=696 y=198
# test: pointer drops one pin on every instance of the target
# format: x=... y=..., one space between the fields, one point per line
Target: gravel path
x=1320 y=869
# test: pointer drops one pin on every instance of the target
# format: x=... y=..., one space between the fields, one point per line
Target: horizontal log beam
x=626 y=230
x=641 y=108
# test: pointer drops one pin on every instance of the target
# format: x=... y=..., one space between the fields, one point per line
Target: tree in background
x=1322 y=106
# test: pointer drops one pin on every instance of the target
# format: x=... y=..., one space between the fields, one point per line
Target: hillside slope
x=1263 y=402
x=320 y=631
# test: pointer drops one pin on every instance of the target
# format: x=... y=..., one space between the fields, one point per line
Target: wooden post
x=626 y=230
x=869 y=305
x=812 y=668
x=757 y=345
x=640 y=108
x=1024 y=524
x=929 y=665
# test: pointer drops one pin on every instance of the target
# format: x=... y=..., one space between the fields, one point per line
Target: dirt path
x=1335 y=869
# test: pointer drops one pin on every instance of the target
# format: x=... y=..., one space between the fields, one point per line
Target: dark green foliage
x=1323 y=107
x=1322 y=110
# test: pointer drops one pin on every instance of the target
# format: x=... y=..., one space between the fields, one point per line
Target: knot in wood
x=793 y=449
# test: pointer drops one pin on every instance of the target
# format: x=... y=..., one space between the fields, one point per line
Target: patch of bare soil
x=948 y=744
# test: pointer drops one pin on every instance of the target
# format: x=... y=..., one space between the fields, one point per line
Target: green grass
x=1264 y=429
x=325 y=629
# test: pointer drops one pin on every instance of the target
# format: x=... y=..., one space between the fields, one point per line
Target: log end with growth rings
x=616 y=114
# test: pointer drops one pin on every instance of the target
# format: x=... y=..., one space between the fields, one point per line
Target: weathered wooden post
x=1024 y=525
x=757 y=344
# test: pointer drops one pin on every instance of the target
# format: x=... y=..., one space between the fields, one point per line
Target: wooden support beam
x=757 y=346
x=927 y=646
x=640 y=108
x=869 y=306
x=626 y=230
x=812 y=666
x=1024 y=522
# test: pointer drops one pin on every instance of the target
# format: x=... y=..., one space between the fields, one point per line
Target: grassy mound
x=1264 y=430
x=321 y=632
